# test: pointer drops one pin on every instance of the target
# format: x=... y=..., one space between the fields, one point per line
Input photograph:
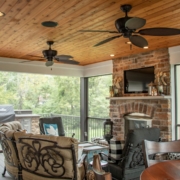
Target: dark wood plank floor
x=7 y=176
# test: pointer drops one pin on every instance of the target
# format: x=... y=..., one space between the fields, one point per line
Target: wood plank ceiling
x=22 y=35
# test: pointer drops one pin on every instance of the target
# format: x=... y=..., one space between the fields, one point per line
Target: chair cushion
x=10 y=153
x=135 y=138
x=61 y=141
x=14 y=125
x=12 y=159
x=30 y=176
x=52 y=120
x=50 y=129
x=12 y=170
x=115 y=170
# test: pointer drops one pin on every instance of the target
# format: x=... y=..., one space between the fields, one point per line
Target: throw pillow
x=115 y=148
x=172 y=156
x=51 y=129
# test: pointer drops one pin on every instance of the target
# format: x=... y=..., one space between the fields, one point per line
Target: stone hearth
x=158 y=108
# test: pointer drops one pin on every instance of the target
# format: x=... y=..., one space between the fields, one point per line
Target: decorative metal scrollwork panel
x=137 y=157
x=7 y=151
x=46 y=159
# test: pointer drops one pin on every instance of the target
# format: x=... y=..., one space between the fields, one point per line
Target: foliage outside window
x=47 y=94
x=98 y=105
x=98 y=90
x=41 y=93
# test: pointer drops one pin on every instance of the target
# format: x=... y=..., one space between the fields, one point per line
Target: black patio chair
x=51 y=126
x=131 y=163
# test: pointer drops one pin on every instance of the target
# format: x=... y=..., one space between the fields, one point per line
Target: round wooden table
x=168 y=170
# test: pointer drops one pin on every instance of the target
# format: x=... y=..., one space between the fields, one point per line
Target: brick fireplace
x=158 y=108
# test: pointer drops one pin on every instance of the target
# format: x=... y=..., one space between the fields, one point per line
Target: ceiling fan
x=127 y=27
x=51 y=55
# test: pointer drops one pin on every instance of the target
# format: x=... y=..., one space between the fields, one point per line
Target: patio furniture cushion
x=51 y=125
x=13 y=125
x=11 y=160
x=30 y=176
x=62 y=142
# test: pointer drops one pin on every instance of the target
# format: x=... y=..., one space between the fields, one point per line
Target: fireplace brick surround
x=159 y=109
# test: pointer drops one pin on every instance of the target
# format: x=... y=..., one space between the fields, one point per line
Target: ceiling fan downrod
x=50 y=43
x=126 y=8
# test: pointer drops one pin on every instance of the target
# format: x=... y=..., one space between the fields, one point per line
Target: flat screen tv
x=137 y=80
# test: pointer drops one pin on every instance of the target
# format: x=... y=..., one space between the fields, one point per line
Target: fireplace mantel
x=138 y=97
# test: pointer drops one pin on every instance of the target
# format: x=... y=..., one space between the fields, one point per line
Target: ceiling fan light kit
x=127 y=26
x=49 y=63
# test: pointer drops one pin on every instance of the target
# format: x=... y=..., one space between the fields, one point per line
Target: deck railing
x=95 y=128
x=72 y=125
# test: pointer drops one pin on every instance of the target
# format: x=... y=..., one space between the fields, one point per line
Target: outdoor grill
x=6 y=113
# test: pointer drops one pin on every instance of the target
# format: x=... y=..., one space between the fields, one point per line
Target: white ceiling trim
x=97 y=69
x=37 y=67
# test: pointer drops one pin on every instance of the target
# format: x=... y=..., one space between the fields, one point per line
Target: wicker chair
x=7 y=132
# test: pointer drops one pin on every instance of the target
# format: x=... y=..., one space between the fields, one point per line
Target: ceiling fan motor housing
x=120 y=26
x=49 y=54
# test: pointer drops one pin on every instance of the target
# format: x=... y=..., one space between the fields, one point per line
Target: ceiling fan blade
x=98 y=31
x=107 y=40
x=63 y=56
x=135 y=23
x=66 y=61
x=139 y=41
x=159 y=31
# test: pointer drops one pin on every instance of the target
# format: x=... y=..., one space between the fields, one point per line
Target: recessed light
x=145 y=47
x=128 y=42
x=2 y=14
x=49 y=24
x=112 y=55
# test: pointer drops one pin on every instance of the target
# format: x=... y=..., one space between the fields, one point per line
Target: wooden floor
x=7 y=176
